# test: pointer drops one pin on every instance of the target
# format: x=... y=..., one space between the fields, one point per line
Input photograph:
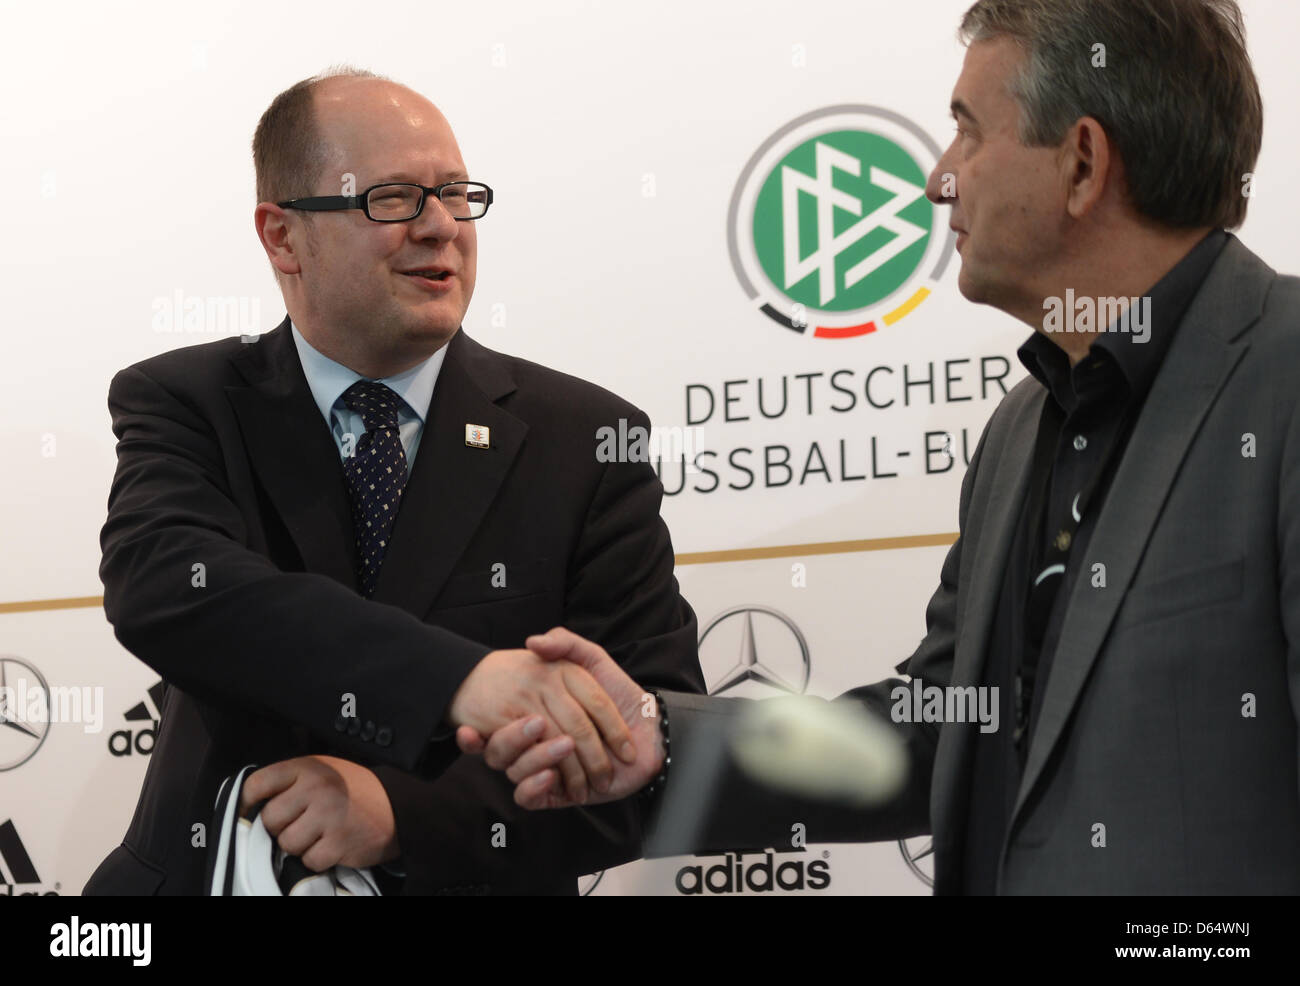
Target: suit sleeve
x=186 y=595
x=621 y=593
x=724 y=809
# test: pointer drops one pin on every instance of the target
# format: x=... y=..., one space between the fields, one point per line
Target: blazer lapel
x=452 y=484
x=1206 y=349
x=982 y=581
x=293 y=453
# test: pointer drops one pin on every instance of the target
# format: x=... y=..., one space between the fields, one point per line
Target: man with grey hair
x=1127 y=575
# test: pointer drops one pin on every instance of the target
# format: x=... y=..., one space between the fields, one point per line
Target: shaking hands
x=560 y=718
x=556 y=752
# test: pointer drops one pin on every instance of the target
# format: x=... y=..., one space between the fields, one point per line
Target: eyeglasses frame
x=338 y=203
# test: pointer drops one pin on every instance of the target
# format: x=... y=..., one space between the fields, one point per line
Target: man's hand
x=325 y=810
x=529 y=755
x=512 y=685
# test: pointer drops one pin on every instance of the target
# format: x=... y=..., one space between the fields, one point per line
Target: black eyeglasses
x=400 y=202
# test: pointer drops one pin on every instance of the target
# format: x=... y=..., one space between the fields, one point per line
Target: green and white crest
x=829 y=226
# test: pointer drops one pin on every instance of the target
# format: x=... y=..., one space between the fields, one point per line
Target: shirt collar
x=1138 y=362
x=328 y=379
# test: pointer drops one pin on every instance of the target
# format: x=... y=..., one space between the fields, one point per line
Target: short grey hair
x=1178 y=95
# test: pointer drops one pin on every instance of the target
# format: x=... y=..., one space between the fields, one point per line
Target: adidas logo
x=16 y=866
x=734 y=875
x=126 y=742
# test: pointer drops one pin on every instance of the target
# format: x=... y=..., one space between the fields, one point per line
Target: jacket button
x=354 y=726
x=368 y=731
x=384 y=736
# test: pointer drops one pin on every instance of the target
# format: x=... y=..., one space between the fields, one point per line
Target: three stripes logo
x=16 y=866
x=127 y=742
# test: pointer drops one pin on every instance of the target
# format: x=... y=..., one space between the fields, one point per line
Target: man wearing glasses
x=332 y=541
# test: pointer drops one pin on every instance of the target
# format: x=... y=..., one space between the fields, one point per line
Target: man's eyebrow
x=406 y=177
x=961 y=109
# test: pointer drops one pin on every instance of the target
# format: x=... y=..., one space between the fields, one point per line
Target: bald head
x=378 y=297
x=377 y=130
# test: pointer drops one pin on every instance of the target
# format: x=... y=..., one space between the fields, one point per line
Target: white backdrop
x=125 y=157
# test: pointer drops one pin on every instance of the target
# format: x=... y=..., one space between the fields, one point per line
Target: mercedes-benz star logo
x=781 y=639
x=22 y=688
x=917 y=851
x=782 y=645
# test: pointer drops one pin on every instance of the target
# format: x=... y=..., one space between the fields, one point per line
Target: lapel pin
x=477 y=436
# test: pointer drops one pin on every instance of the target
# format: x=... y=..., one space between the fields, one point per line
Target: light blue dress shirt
x=328 y=380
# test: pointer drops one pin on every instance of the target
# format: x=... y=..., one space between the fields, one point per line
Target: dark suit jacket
x=228 y=567
x=1170 y=712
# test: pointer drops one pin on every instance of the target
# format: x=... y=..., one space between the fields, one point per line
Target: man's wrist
x=456 y=713
x=663 y=750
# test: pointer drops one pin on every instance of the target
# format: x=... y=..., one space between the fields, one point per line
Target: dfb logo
x=829 y=230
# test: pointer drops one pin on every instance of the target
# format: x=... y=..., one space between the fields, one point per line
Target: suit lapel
x=293 y=453
x=450 y=488
x=983 y=582
x=1006 y=498
x=452 y=484
x=1206 y=349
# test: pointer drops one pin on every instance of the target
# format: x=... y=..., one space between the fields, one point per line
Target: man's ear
x=278 y=238
x=1089 y=162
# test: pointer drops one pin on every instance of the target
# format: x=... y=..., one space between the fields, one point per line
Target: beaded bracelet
x=648 y=792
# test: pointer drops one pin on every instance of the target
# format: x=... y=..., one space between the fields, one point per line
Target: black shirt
x=1089 y=414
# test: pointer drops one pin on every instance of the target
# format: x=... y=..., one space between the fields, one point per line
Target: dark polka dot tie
x=376 y=474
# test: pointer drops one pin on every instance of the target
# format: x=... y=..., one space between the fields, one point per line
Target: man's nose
x=942 y=180
x=434 y=221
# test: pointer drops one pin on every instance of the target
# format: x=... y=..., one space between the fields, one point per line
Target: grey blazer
x=1170 y=711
